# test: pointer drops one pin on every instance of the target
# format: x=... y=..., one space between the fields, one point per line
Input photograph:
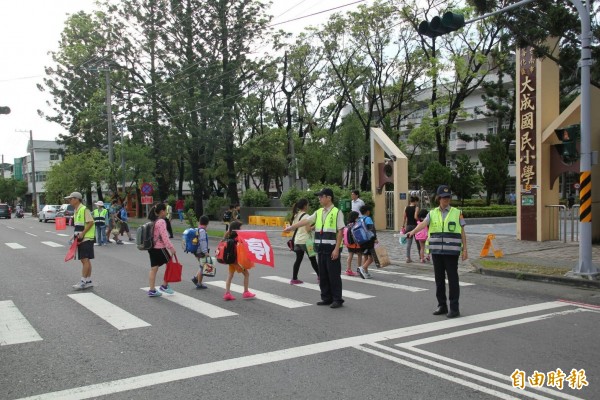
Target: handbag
x=290 y=243
x=310 y=247
x=208 y=266
x=173 y=270
x=382 y=255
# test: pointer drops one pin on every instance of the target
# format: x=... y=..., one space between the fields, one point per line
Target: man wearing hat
x=84 y=234
x=329 y=222
x=447 y=240
x=100 y=222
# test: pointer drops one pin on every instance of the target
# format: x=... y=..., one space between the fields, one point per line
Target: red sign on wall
x=147 y=200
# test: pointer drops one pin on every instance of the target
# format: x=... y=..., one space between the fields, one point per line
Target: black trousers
x=330 y=280
x=300 y=250
x=446 y=265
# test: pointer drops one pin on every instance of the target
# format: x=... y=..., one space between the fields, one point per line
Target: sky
x=29 y=29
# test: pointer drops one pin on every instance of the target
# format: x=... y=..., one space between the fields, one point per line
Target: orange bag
x=243 y=259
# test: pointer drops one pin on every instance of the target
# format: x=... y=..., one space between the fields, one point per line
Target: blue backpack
x=360 y=232
x=190 y=240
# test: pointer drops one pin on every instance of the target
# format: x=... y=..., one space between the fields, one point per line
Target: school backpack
x=349 y=240
x=227 y=216
x=144 y=238
x=360 y=232
x=226 y=251
x=190 y=240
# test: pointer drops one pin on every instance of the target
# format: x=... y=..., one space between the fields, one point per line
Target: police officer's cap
x=444 y=191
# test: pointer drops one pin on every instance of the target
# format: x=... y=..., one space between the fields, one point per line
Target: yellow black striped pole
x=585 y=197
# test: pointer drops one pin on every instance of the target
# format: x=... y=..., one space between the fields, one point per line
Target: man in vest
x=100 y=222
x=84 y=234
x=328 y=222
x=446 y=241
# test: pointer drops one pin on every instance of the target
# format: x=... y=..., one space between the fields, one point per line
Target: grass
x=524 y=268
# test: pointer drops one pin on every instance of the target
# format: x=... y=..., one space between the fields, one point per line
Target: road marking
x=486 y=328
x=10 y=227
x=52 y=244
x=194 y=371
x=421 y=277
x=14 y=246
x=453 y=370
x=196 y=305
x=384 y=284
x=31 y=234
x=14 y=327
x=345 y=293
x=268 y=297
x=109 y=312
x=502 y=377
x=63 y=235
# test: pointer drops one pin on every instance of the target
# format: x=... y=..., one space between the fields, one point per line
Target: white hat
x=100 y=203
x=74 y=195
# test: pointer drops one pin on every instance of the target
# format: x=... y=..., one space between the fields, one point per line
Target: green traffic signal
x=569 y=137
x=438 y=26
x=4 y=110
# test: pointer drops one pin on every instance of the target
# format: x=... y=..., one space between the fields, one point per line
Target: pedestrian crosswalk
x=199 y=306
x=109 y=312
x=14 y=327
x=345 y=293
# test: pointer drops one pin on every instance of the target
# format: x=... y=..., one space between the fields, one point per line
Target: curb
x=586 y=283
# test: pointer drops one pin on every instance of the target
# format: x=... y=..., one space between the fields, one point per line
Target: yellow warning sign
x=489 y=245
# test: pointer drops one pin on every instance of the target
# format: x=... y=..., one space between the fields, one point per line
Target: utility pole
x=122 y=160
x=34 y=192
x=109 y=114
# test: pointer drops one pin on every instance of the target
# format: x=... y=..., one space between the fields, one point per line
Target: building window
x=54 y=157
x=40 y=176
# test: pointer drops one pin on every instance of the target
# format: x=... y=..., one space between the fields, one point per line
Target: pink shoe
x=228 y=296
x=349 y=272
x=294 y=282
x=248 y=295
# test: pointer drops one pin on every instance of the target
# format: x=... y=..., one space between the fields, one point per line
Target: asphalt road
x=383 y=344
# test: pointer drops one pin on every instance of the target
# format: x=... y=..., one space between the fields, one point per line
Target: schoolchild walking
x=202 y=252
x=228 y=217
x=161 y=251
x=353 y=248
x=233 y=268
x=421 y=236
x=369 y=247
x=301 y=236
x=411 y=213
x=123 y=217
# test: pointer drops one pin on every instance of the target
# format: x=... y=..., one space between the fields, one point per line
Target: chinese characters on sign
x=527 y=127
x=575 y=380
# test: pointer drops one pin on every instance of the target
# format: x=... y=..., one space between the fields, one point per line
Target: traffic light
x=449 y=22
x=569 y=137
x=4 y=110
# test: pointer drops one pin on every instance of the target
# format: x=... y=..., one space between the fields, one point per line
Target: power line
x=317 y=13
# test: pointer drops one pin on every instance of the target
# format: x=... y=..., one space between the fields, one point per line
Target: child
x=369 y=247
x=115 y=230
x=202 y=251
x=421 y=236
x=231 y=234
x=353 y=248
x=161 y=251
x=227 y=217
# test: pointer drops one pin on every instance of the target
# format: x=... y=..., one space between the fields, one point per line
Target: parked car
x=5 y=211
x=67 y=211
x=48 y=212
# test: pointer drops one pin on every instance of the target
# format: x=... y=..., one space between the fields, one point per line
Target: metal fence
x=563 y=221
x=389 y=210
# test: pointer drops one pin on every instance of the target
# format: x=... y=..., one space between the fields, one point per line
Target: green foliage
x=291 y=196
x=465 y=178
x=213 y=207
x=495 y=161
x=488 y=212
x=11 y=189
x=255 y=198
x=435 y=175
x=190 y=217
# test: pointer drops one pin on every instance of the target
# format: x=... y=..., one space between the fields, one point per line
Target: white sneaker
x=361 y=272
x=89 y=284
x=368 y=275
x=80 y=286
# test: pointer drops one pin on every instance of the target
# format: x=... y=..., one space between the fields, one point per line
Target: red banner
x=258 y=245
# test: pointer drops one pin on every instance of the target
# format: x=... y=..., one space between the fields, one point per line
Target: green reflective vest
x=445 y=236
x=100 y=216
x=80 y=223
x=326 y=231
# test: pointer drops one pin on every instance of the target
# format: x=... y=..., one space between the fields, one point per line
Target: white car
x=48 y=212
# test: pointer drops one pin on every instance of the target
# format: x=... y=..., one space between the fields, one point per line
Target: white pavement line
x=196 y=305
x=345 y=293
x=268 y=297
x=485 y=371
x=10 y=227
x=112 y=314
x=468 y=375
x=194 y=371
x=486 y=328
x=52 y=244
x=63 y=234
x=14 y=327
x=421 y=277
x=14 y=246
x=30 y=234
x=384 y=284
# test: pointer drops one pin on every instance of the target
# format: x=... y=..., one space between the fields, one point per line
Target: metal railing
x=389 y=210
x=560 y=216
x=574 y=216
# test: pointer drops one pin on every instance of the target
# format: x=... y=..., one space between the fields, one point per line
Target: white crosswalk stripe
x=419 y=277
x=384 y=284
x=345 y=293
x=196 y=305
x=14 y=327
x=268 y=297
x=109 y=312
x=52 y=244
x=14 y=246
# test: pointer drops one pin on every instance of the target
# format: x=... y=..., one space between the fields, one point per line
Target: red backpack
x=226 y=251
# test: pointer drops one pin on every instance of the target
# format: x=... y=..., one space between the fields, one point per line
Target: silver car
x=48 y=212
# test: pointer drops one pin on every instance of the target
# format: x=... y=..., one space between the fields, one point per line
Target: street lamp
x=34 y=197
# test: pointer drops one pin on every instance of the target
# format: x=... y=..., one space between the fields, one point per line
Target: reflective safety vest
x=326 y=232
x=80 y=223
x=445 y=236
x=100 y=216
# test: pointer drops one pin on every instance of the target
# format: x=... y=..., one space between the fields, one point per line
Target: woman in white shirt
x=300 y=212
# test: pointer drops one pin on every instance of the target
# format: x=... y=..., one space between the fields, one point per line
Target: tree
x=11 y=189
x=494 y=160
x=436 y=175
x=465 y=178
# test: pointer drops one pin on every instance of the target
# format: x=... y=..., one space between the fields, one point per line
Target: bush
x=290 y=197
x=190 y=217
x=214 y=205
x=255 y=198
x=491 y=211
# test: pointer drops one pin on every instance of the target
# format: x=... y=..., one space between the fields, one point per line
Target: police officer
x=329 y=222
x=446 y=240
x=99 y=215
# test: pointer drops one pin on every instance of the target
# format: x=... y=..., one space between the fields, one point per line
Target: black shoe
x=324 y=303
x=335 y=304
x=440 y=310
x=453 y=314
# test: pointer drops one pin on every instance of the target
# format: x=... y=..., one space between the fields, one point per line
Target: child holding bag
x=202 y=251
x=162 y=250
x=242 y=265
x=422 y=235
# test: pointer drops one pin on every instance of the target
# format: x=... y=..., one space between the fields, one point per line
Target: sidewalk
x=538 y=261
